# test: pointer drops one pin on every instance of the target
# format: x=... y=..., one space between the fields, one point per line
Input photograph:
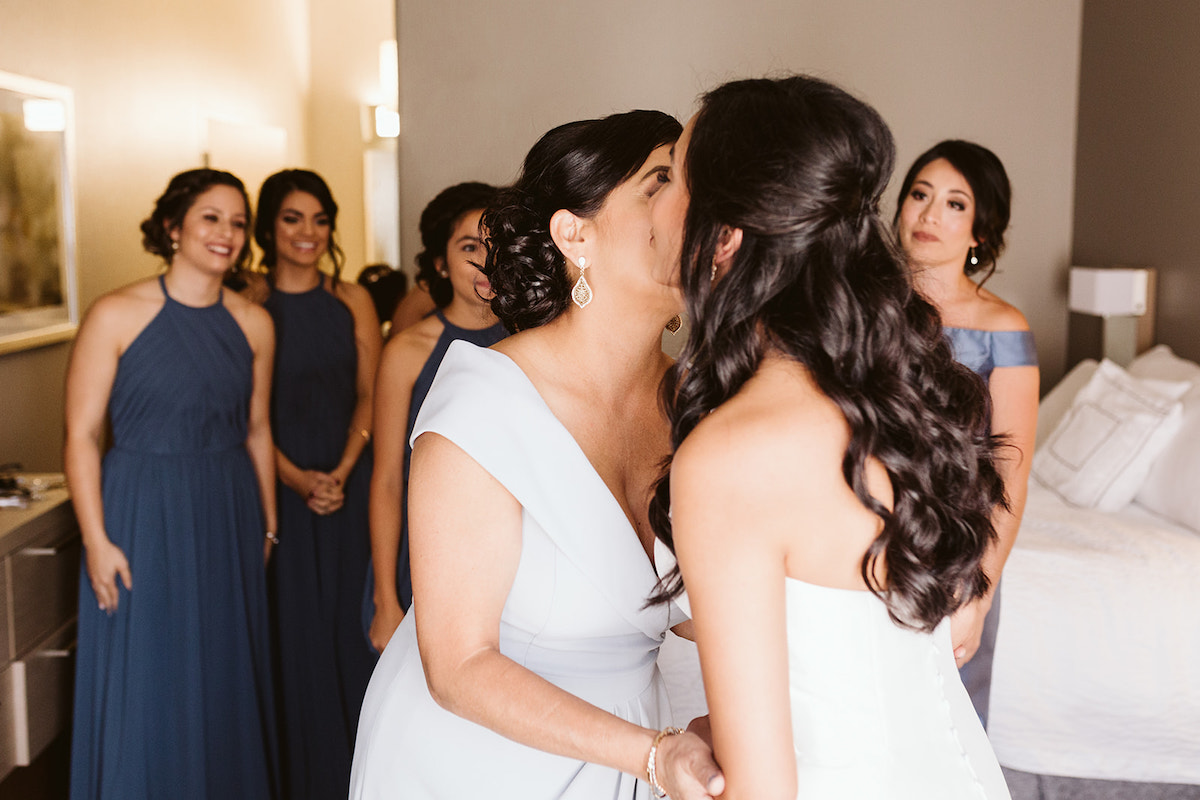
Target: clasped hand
x=322 y=491
x=685 y=765
x=966 y=628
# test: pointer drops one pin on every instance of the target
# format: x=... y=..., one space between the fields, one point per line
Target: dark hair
x=989 y=184
x=174 y=203
x=798 y=165
x=573 y=167
x=386 y=286
x=438 y=221
x=274 y=191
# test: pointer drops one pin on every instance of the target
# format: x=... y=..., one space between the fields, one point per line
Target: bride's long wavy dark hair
x=799 y=166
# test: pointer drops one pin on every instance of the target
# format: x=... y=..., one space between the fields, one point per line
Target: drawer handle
x=44 y=551
x=66 y=652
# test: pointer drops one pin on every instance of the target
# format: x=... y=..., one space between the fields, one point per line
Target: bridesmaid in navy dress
x=327 y=349
x=448 y=265
x=951 y=217
x=173 y=684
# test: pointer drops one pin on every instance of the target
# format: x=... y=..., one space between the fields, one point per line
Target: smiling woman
x=327 y=349
x=172 y=692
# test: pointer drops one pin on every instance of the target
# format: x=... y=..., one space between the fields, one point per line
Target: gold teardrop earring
x=581 y=293
x=673 y=324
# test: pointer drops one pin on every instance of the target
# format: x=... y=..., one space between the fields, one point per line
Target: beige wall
x=146 y=77
x=344 y=46
x=1138 y=168
x=480 y=81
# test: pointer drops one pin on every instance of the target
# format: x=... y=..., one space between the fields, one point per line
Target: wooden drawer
x=43 y=684
x=6 y=652
x=45 y=588
x=8 y=723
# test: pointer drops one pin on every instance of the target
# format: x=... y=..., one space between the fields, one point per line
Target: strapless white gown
x=575 y=614
x=878 y=711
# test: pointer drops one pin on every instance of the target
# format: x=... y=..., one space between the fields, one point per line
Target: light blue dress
x=984 y=351
x=576 y=613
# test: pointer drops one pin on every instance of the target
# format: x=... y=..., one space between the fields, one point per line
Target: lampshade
x=1108 y=292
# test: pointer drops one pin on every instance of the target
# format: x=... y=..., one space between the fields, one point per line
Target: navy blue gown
x=984 y=351
x=319 y=568
x=173 y=690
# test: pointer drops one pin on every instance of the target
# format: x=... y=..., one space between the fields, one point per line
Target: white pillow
x=1057 y=402
x=1103 y=448
x=1172 y=488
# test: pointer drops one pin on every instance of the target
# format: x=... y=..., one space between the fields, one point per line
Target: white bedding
x=1097 y=670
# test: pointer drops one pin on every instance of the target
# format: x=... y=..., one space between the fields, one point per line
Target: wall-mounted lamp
x=387 y=122
x=1123 y=299
x=44 y=115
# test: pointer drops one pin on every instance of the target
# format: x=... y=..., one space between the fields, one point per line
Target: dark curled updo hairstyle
x=274 y=191
x=174 y=203
x=573 y=167
x=438 y=221
x=984 y=173
x=799 y=166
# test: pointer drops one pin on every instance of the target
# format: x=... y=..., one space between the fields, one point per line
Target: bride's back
x=783 y=441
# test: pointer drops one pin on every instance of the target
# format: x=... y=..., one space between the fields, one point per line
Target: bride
x=830 y=491
x=527 y=668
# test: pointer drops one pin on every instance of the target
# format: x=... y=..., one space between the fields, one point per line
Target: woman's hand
x=685 y=767
x=966 y=628
x=325 y=496
x=322 y=492
x=105 y=561
x=383 y=625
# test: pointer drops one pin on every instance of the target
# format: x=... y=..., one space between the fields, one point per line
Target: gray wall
x=1137 y=191
x=480 y=81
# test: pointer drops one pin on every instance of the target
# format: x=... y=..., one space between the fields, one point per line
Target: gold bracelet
x=651 y=767
x=272 y=538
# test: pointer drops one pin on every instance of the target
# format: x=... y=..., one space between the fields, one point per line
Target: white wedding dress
x=575 y=614
x=879 y=711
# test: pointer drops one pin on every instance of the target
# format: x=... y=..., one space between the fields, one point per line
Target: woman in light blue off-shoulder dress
x=951 y=218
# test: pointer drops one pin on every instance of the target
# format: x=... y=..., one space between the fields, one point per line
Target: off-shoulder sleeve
x=1014 y=349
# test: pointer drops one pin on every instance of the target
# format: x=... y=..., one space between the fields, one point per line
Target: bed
x=1097 y=667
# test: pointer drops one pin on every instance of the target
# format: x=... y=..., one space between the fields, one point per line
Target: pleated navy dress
x=173 y=690
x=320 y=566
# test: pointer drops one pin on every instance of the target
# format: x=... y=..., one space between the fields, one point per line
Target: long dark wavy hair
x=574 y=167
x=438 y=220
x=175 y=201
x=799 y=166
x=985 y=174
x=274 y=191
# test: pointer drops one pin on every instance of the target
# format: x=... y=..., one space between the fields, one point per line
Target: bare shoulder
x=253 y=319
x=121 y=314
x=997 y=314
x=779 y=425
x=257 y=289
x=408 y=350
x=354 y=296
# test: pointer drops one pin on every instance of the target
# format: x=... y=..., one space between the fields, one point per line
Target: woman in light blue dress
x=952 y=214
x=527 y=665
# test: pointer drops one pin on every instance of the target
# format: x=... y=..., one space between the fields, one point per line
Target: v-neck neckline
x=646 y=557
